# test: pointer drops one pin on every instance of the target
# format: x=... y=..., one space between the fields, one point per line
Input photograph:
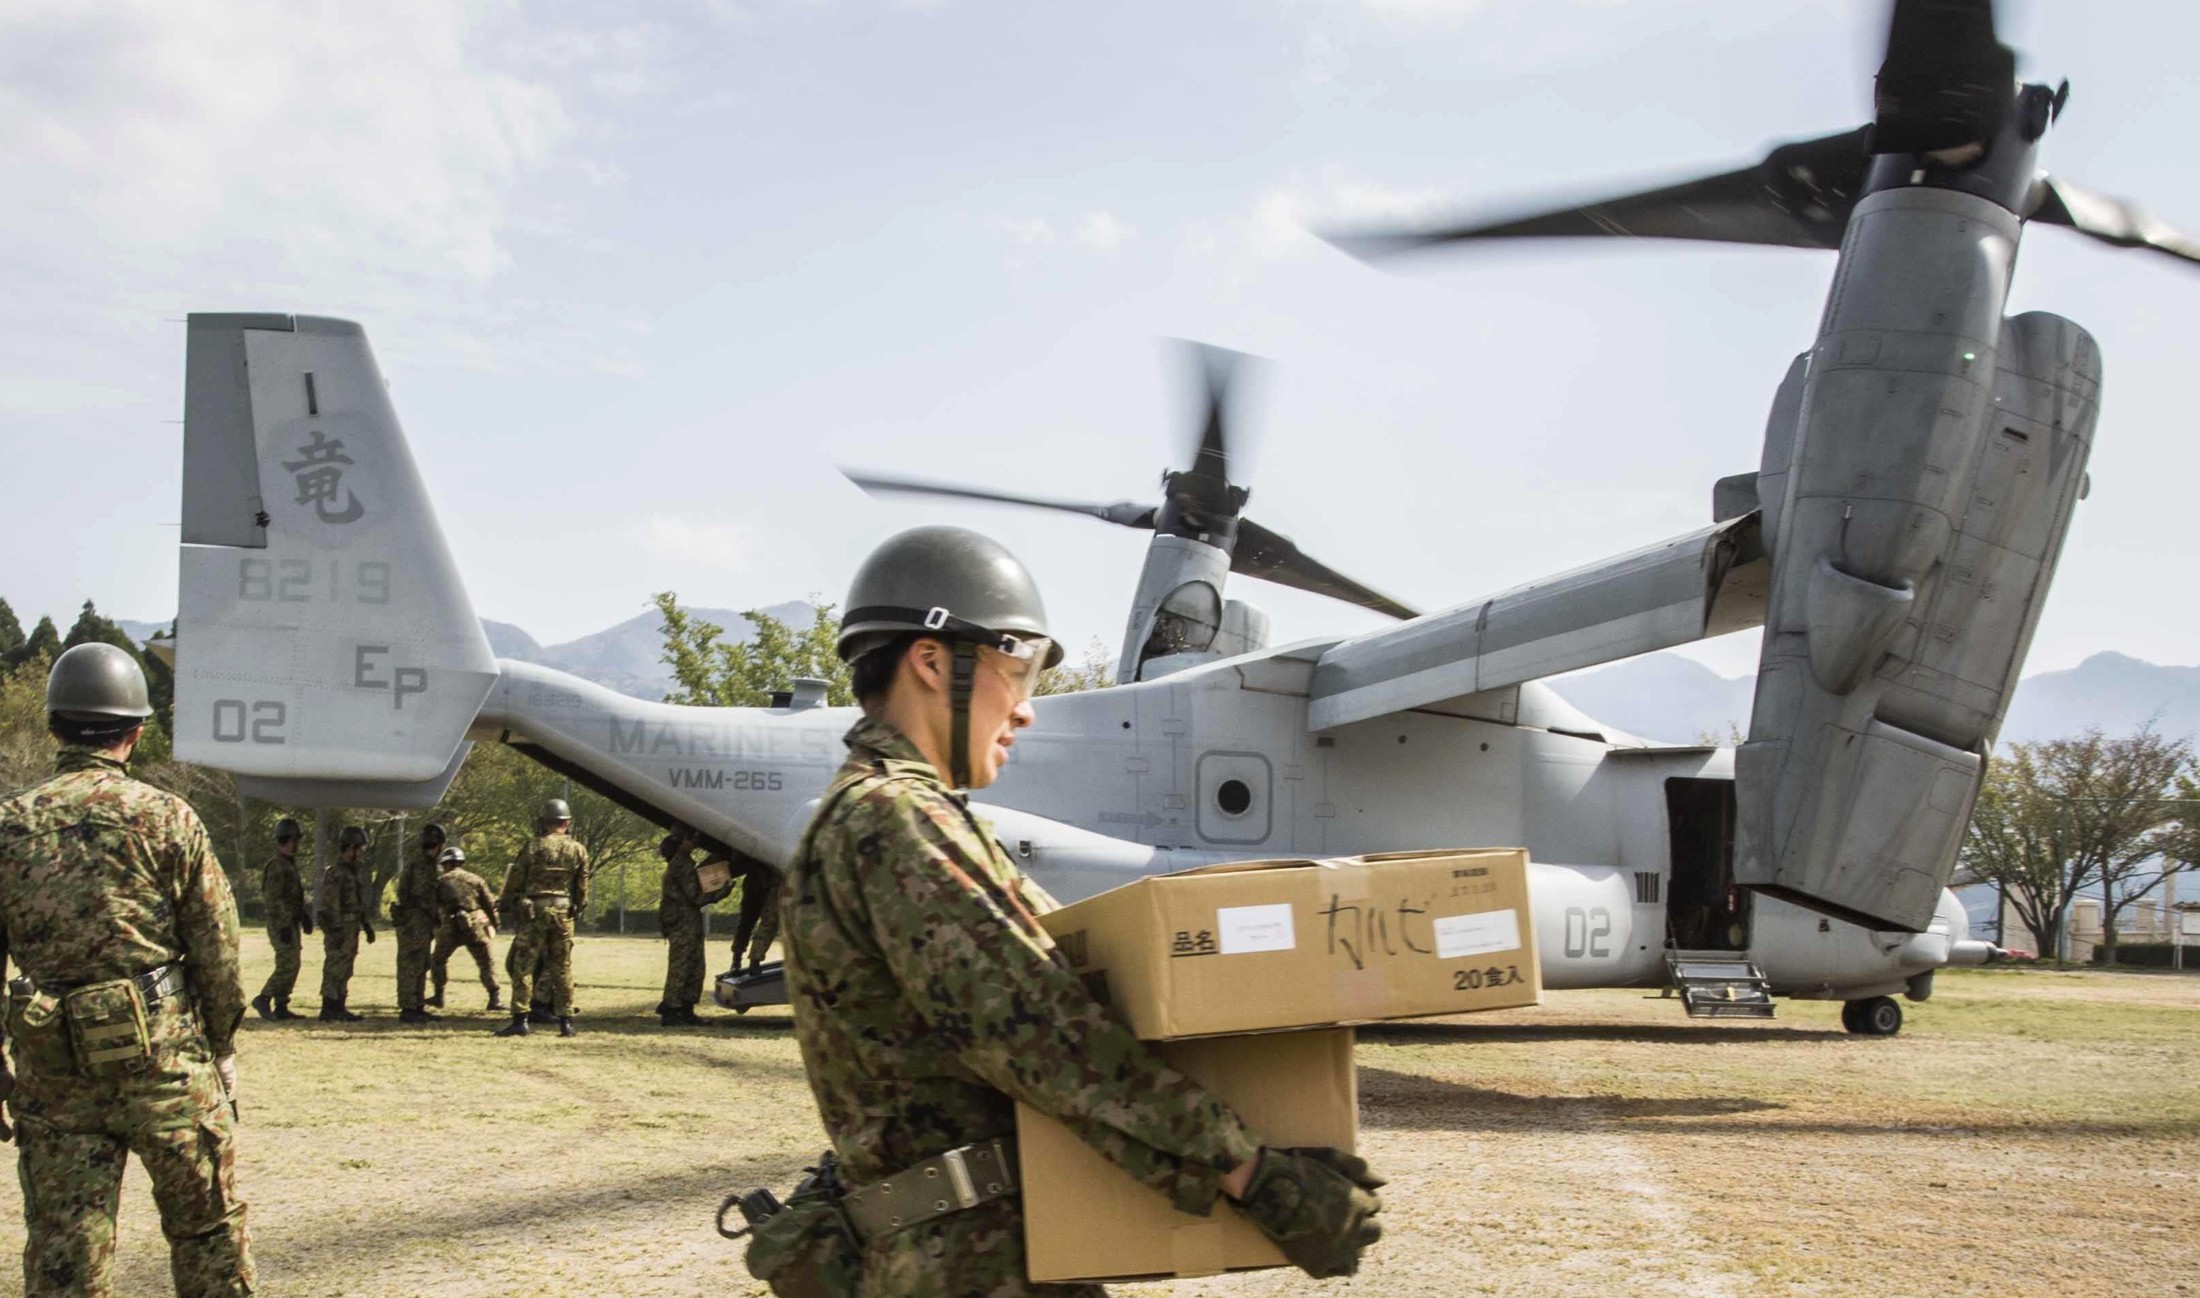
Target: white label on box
x=1464 y=935
x=1241 y=930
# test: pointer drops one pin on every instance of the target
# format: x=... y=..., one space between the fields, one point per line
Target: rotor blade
x=2111 y=220
x=1123 y=512
x=1799 y=196
x=1946 y=81
x=1218 y=368
x=1274 y=557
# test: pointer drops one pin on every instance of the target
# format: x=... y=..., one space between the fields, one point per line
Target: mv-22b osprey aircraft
x=1897 y=540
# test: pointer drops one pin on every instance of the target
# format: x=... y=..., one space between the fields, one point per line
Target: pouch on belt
x=107 y=1027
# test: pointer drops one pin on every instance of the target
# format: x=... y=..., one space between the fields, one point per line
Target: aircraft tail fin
x=326 y=651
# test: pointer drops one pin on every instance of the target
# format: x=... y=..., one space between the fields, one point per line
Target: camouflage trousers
x=415 y=943
x=284 y=980
x=976 y=1253
x=759 y=926
x=75 y=1130
x=548 y=935
x=684 y=961
x=472 y=931
x=339 y=950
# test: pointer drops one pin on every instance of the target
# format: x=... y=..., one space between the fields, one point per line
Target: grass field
x=2028 y=1132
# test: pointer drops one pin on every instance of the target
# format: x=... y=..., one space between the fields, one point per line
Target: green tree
x=1095 y=671
x=44 y=642
x=11 y=631
x=2062 y=816
x=712 y=671
x=26 y=750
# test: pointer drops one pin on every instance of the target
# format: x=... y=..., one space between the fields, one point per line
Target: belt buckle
x=958 y=1176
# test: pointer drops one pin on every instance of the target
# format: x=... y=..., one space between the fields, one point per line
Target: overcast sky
x=642 y=276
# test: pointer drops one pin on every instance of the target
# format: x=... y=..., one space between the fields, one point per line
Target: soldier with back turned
x=345 y=914
x=123 y=1025
x=416 y=920
x=283 y=892
x=468 y=912
x=545 y=892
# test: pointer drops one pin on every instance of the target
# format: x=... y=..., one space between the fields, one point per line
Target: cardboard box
x=710 y=876
x=1086 y=1219
x=1260 y=946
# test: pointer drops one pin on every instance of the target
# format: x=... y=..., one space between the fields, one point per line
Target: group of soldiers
x=928 y=1001
x=442 y=907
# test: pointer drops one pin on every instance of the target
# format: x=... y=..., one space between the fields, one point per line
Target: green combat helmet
x=432 y=835
x=554 y=812
x=352 y=837
x=99 y=689
x=955 y=584
x=287 y=831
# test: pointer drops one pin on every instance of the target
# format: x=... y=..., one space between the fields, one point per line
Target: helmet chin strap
x=963 y=682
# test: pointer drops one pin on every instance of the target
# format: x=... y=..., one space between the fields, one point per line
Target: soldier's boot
x=565 y=1027
x=328 y=1012
x=437 y=999
x=690 y=1018
x=540 y=1012
x=283 y=1011
x=343 y=1014
x=667 y=1017
x=263 y=1006
x=516 y=1028
x=418 y=1016
x=496 y=999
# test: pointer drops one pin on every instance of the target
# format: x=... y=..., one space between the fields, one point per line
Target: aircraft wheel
x=1879 y=1016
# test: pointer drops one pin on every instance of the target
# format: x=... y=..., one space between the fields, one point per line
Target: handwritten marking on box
x=1464 y=935
x=1246 y=929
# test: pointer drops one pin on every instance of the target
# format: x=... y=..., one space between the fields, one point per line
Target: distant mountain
x=1666 y=697
x=2116 y=693
x=138 y=631
x=626 y=657
x=1661 y=696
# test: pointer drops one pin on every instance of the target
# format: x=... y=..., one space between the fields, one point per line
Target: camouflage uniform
x=103 y=878
x=415 y=916
x=680 y=918
x=759 y=925
x=285 y=894
x=544 y=890
x=343 y=912
x=468 y=908
x=927 y=1001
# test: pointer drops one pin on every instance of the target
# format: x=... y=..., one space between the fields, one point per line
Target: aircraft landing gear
x=1877 y=1016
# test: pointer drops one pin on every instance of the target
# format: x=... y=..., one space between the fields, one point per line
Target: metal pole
x=622 y=896
x=2176 y=921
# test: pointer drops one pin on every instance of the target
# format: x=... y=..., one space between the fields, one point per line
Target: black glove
x=306 y=923
x=1318 y=1205
x=370 y=934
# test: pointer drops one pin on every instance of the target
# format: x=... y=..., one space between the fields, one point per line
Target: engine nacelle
x=1913 y=523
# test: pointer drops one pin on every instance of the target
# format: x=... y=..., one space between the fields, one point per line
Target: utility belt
x=950 y=1182
x=812 y=1245
x=108 y=1022
x=553 y=901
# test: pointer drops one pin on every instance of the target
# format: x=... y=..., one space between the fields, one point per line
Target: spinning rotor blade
x=1123 y=512
x=1218 y=368
x=1946 y=82
x=1799 y=196
x=1274 y=557
x=2111 y=220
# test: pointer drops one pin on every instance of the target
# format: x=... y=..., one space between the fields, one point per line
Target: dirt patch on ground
x=2030 y=1131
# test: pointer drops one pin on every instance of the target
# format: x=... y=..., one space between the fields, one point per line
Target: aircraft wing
x=1702 y=584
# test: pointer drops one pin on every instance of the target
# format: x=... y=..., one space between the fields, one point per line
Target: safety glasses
x=1019 y=662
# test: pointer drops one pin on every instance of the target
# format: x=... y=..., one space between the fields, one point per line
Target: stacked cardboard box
x=1248 y=975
